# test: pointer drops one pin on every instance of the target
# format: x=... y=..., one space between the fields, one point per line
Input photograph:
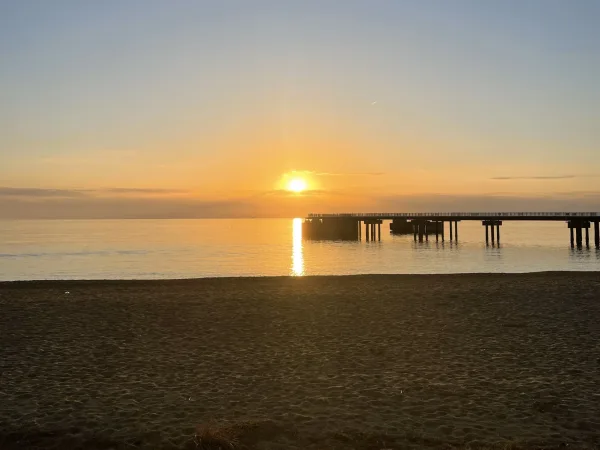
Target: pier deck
x=348 y=226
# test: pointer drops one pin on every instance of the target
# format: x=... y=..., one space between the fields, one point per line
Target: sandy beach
x=365 y=362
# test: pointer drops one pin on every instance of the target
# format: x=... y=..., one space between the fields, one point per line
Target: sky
x=181 y=108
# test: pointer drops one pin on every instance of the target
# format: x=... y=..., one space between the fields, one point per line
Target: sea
x=197 y=248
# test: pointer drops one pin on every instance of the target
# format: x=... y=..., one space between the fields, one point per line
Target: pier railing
x=462 y=215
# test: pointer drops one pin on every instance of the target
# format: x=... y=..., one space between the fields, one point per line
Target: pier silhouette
x=348 y=226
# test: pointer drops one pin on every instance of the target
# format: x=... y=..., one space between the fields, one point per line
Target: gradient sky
x=147 y=108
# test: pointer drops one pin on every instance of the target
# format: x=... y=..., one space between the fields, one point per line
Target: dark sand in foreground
x=324 y=362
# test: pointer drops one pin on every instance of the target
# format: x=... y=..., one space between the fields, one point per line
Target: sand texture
x=365 y=362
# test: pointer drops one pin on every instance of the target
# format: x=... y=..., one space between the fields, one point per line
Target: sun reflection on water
x=297 y=257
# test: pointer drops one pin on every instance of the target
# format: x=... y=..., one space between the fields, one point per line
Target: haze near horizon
x=279 y=108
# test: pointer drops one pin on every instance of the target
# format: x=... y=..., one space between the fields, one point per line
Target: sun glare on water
x=297 y=185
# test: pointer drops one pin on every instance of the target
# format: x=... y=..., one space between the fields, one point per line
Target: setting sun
x=297 y=185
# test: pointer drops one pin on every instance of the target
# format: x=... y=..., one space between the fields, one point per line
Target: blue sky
x=217 y=100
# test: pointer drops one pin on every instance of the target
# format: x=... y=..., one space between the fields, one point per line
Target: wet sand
x=318 y=362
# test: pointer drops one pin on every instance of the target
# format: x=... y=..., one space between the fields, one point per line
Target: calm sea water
x=122 y=249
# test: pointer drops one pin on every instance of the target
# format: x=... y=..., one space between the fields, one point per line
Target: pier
x=349 y=226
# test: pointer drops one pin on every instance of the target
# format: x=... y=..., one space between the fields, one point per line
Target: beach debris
x=67 y=292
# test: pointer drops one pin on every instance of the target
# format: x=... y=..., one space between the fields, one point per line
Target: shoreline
x=358 y=361
x=294 y=277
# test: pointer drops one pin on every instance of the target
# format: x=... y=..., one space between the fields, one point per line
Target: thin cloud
x=156 y=207
x=142 y=191
x=578 y=193
x=78 y=193
x=40 y=193
x=546 y=177
x=314 y=173
x=286 y=193
x=348 y=174
x=542 y=177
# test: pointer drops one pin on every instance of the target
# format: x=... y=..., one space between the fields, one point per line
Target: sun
x=297 y=185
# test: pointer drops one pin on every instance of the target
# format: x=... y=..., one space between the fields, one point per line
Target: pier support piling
x=597 y=234
x=578 y=236
x=572 y=236
x=456 y=230
x=587 y=238
x=578 y=225
x=442 y=230
x=451 y=237
x=492 y=227
x=373 y=229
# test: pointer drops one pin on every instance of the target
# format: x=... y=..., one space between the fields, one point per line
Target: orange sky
x=192 y=110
